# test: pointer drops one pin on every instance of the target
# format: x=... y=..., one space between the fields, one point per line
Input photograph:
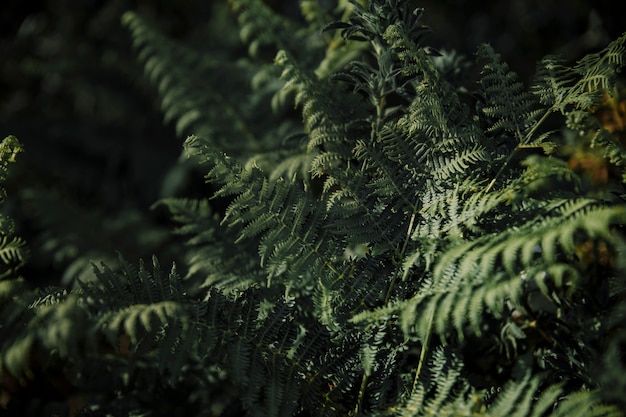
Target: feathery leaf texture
x=394 y=247
x=408 y=241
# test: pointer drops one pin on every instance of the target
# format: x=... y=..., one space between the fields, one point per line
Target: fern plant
x=392 y=244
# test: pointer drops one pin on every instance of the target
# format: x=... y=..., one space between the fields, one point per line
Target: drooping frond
x=477 y=276
x=202 y=95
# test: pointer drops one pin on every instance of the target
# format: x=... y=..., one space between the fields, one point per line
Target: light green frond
x=13 y=254
x=580 y=87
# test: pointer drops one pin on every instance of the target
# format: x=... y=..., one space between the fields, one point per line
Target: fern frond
x=612 y=149
x=597 y=74
x=264 y=349
x=214 y=259
x=150 y=309
x=508 y=106
x=580 y=87
x=342 y=294
x=195 y=216
x=459 y=163
x=324 y=112
x=262 y=29
x=286 y=220
x=13 y=254
x=438 y=391
x=15 y=298
x=9 y=148
x=553 y=79
x=190 y=84
x=484 y=272
x=13 y=250
x=583 y=404
x=528 y=396
x=363 y=251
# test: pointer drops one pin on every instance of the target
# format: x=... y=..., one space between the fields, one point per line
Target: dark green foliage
x=393 y=247
x=13 y=251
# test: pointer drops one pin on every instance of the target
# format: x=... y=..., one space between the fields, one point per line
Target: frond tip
x=13 y=254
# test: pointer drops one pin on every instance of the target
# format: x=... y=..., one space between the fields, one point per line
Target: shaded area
x=524 y=31
x=97 y=149
x=98 y=154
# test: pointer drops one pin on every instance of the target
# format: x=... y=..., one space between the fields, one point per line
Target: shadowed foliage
x=381 y=238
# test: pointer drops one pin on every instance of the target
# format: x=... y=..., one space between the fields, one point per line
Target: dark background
x=97 y=149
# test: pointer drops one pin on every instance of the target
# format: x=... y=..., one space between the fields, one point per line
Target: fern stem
x=423 y=352
x=522 y=144
x=359 y=404
x=408 y=235
x=531 y=132
x=401 y=257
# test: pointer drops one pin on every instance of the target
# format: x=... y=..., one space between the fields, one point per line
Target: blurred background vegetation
x=98 y=153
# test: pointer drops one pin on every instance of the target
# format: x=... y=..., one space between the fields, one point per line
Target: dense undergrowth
x=388 y=230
